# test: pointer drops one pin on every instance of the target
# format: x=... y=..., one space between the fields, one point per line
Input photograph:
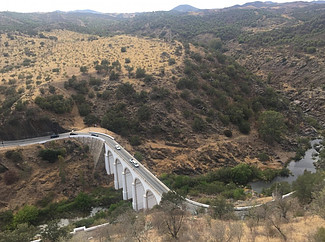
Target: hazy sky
x=113 y=6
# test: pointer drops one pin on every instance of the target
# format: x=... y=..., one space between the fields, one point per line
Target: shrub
x=10 y=177
x=140 y=73
x=220 y=208
x=242 y=174
x=91 y=119
x=171 y=61
x=138 y=156
x=114 y=76
x=227 y=133
x=263 y=157
x=189 y=83
x=123 y=49
x=306 y=184
x=198 y=124
x=244 y=127
x=144 y=113
x=55 y=103
x=83 y=69
x=271 y=126
x=51 y=155
x=83 y=202
x=13 y=155
x=28 y=214
x=84 y=109
x=135 y=140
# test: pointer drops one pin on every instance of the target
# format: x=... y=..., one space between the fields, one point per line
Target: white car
x=136 y=164
x=117 y=147
x=132 y=160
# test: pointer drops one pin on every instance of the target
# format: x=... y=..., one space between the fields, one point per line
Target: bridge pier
x=116 y=185
x=134 y=198
x=125 y=192
x=107 y=167
x=145 y=202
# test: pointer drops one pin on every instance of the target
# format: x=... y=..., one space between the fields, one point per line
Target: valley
x=207 y=100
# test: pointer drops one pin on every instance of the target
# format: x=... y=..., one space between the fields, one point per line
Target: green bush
x=28 y=214
x=51 y=155
x=198 y=124
x=263 y=157
x=144 y=113
x=271 y=126
x=227 y=133
x=84 y=109
x=6 y=219
x=91 y=119
x=140 y=73
x=135 y=140
x=242 y=174
x=83 y=202
x=55 y=103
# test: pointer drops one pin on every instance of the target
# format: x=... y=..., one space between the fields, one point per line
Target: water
x=65 y=221
x=296 y=168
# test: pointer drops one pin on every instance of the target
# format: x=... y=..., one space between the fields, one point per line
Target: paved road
x=141 y=170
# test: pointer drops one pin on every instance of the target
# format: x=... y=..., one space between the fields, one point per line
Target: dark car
x=93 y=134
x=54 y=136
x=72 y=133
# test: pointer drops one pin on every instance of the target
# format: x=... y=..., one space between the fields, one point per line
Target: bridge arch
x=150 y=199
x=109 y=160
x=127 y=183
x=118 y=176
x=138 y=195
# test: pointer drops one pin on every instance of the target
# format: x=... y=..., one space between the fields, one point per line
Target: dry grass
x=73 y=50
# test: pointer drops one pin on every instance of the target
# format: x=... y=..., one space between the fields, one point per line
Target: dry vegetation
x=26 y=178
x=67 y=51
x=203 y=228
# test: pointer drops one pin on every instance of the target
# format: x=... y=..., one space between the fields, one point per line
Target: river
x=296 y=168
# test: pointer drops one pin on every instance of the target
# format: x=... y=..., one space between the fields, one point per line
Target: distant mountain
x=256 y=4
x=85 y=11
x=185 y=8
x=319 y=1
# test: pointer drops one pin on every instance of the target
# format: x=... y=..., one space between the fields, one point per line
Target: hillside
x=206 y=100
x=158 y=95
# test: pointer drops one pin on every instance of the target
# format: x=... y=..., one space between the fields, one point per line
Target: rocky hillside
x=54 y=171
x=179 y=97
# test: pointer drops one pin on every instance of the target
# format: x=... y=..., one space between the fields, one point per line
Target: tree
x=170 y=216
x=52 y=232
x=28 y=214
x=318 y=203
x=23 y=233
x=133 y=225
x=242 y=174
x=220 y=208
x=306 y=184
x=271 y=126
x=83 y=202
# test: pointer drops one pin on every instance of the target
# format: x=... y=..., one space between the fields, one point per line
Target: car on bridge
x=117 y=147
x=136 y=164
x=132 y=160
x=53 y=136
